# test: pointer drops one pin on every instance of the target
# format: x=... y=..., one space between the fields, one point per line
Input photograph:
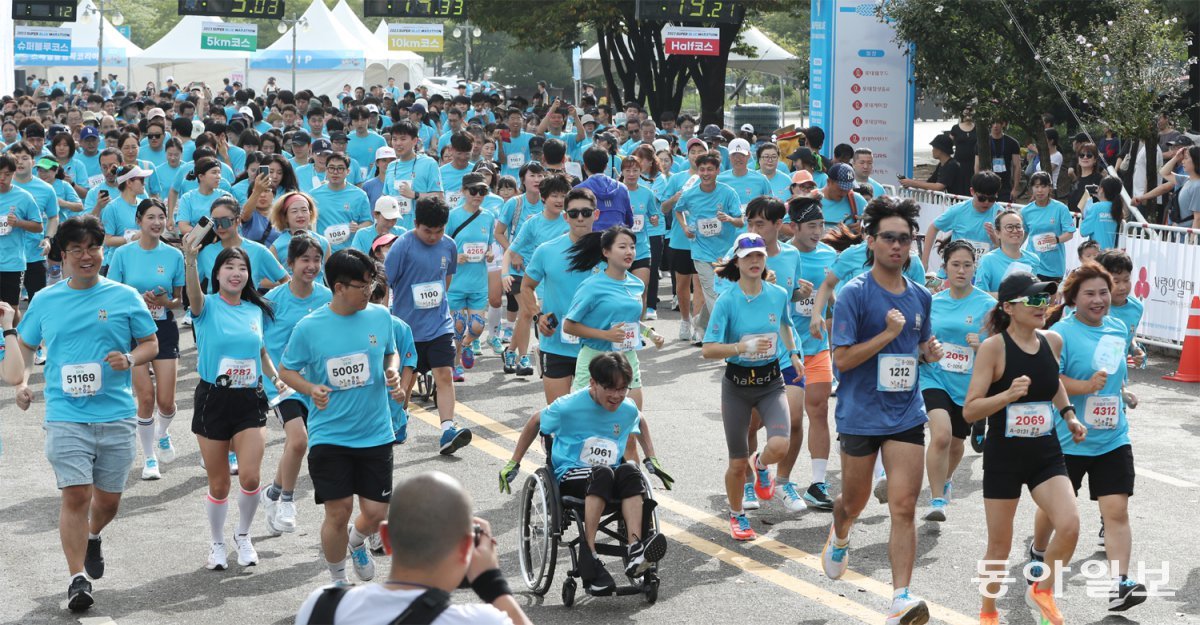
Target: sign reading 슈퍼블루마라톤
x=48 y=41
x=226 y=36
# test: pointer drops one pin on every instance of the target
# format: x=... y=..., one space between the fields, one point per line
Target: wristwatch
x=129 y=359
x=10 y=332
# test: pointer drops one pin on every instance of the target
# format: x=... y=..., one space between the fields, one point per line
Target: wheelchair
x=426 y=388
x=547 y=518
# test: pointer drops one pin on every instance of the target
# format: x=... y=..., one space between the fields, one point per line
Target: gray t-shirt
x=1189 y=199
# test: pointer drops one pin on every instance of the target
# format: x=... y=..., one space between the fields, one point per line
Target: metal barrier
x=1166 y=269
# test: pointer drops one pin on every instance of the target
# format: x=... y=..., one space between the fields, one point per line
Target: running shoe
x=881 y=489
x=524 y=367
x=496 y=345
x=1127 y=594
x=233 y=467
x=402 y=434
x=187 y=320
x=989 y=619
x=651 y=315
x=218 y=560
x=1043 y=602
x=937 y=510
x=674 y=302
x=458 y=375
x=93 y=560
x=364 y=567
x=150 y=470
x=946 y=490
x=685 y=330
x=978 y=432
x=375 y=542
x=764 y=486
x=834 y=559
x=907 y=610
x=739 y=527
x=817 y=496
x=506 y=334
x=510 y=361
x=454 y=439
x=285 y=516
x=697 y=335
x=39 y=357
x=270 y=513
x=1035 y=569
x=166 y=451
x=468 y=357
x=749 y=499
x=247 y=556
x=602 y=583
x=644 y=553
x=79 y=594
x=790 y=498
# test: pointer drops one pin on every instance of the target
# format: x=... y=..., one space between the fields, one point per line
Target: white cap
x=586 y=119
x=197 y=128
x=661 y=144
x=748 y=128
x=739 y=146
x=371 y=108
x=423 y=102
x=136 y=172
x=170 y=79
x=156 y=112
x=748 y=243
x=385 y=152
x=249 y=112
x=387 y=207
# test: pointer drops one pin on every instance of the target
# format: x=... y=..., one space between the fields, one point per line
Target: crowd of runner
x=329 y=255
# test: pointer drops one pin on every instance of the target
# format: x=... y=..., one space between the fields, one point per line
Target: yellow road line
x=798 y=556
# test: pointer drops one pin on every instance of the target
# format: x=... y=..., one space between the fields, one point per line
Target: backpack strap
x=326 y=605
x=425 y=608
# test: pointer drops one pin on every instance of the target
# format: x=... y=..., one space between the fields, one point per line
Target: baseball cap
x=197 y=128
x=739 y=146
x=473 y=179
x=711 y=131
x=385 y=152
x=1021 y=283
x=843 y=175
x=156 y=112
x=90 y=117
x=46 y=163
x=136 y=172
x=301 y=137
x=695 y=141
x=387 y=207
x=749 y=243
x=371 y=108
x=803 y=177
x=1181 y=140
x=748 y=128
x=321 y=146
x=88 y=132
x=804 y=155
x=417 y=107
x=586 y=119
x=661 y=144
x=339 y=137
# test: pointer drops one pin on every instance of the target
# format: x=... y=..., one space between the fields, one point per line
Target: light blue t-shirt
x=601 y=302
x=47 y=202
x=337 y=209
x=289 y=310
x=642 y=201
x=968 y=223
x=586 y=433
x=551 y=268
x=781 y=185
x=148 y=270
x=423 y=176
x=474 y=240
x=165 y=175
x=357 y=415
x=511 y=221
x=19 y=202
x=995 y=265
x=1130 y=313
x=407 y=349
x=748 y=187
x=516 y=154
x=953 y=319
x=713 y=238
x=120 y=219
x=308 y=178
x=229 y=340
x=66 y=193
x=362 y=149
x=1085 y=351
x=677 y=238
x=1043 y=226
x=658 y=187
x=80 y=385
x=852 y=262
x=417 y=276
x=860 y=315
x=452 y=183
x=736 y=316
x=182 y=185
x=365 y=237
x=263 y=264
x=1098 y=224
x=839 y=212
x=194 y=204
x=813 y=266
x=535 y=232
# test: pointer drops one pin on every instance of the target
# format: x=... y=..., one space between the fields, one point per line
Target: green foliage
x=524 y=68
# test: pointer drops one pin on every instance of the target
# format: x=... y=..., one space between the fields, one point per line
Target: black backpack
x=423 y=610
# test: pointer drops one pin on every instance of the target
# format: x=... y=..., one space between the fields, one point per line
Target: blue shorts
x=467 y=301
x=789 y=375
x=95 y=454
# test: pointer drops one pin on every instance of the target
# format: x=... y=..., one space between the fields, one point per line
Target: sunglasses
x=751 y=243
x=1086 y=155
x=580 y=212
x=895 y=237
x=1039 y=300
x=223 y=222
x=477 y=190
x=986 y=199
x=154 y=136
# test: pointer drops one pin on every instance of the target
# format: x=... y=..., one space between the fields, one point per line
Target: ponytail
x=588 y=251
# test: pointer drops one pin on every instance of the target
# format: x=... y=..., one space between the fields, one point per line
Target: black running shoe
x=817 y=496
x=644 y=553
x=1128 y=594
x=93 y=562
x=978 y=431
x=79 y=594
x=602 y=583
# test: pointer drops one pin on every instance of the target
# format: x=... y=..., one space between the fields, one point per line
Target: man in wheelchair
x=590 y=428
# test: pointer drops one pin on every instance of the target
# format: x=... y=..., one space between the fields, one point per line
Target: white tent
x=768 y=57
x=85 y=40
x=178 y=55
x=381 y=62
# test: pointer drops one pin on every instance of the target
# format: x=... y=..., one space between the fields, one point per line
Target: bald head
x=429 y=516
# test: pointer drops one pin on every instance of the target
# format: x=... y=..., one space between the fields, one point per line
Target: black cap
x=473 y=180
x=803 y=154
x=711 y=131
x=1082 y=138
x=1021 y=283
x=301 y=137
x=43 y=106
x=944 y=143
x=338 y=137
x=536 y=143
x=1181 y=140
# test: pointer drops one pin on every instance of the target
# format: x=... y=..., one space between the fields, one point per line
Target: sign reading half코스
x=861 y=85
x=690 y=40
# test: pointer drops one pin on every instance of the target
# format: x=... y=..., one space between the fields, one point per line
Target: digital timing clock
x=257 y=9
x=414 y=8
x=691 y=11
x=44 y=11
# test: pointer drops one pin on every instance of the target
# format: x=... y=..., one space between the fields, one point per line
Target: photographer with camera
x=435 y=544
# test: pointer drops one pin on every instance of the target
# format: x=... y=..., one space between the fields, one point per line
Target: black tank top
x=1042 y=369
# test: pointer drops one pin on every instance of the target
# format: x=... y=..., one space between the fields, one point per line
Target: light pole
x=100 y=8
x=466 y=32
x=293 y=23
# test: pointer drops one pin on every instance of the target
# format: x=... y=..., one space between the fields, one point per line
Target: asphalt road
x=156 y=548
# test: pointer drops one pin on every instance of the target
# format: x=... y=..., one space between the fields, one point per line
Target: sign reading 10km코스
x=259 y=9
x=414 y=8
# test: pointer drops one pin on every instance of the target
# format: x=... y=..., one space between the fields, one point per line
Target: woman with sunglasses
x=1089 y=174
x=750 y=329
x=1009 y=257
x=1102 y=219
x=1049 y=224
x=155 y=269
x=266 y=274
x=473 y=232
x=230 y=404
x=957 y=315
x=1015 y=386
x=206 y=172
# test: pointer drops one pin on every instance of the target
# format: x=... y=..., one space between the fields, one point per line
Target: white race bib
x=428 y=294
x=639 y=222
x=515 y=161
x=708 y=227
x=129 y=233
x=81 y=380
x=350 y=371
x=158 y=313
x=1101 y=412
x=998 y=165
x=804 y=307
x=454 y=198
x=767 y=352
x=316 y=181
x=362 y=173
x=1045 y=242
x=632 y=339
x=981 y=248
x=599 y=452
x=242 y=372
x=957 y=358
x=4 y=227
x=93 y=181
x=474 y=251
x=1029 y=420
x=338 y=234
x=1109 y=356
x=568 y=339
x=896 y=373
x=405 y=205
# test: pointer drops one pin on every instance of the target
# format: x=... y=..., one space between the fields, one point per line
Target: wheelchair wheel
x=568 y=592
x=651 y=590
x=539 y=531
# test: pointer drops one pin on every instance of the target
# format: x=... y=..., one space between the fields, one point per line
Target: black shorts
x=289 y=409
x=681 y=262
x=339 y=472
x=859 y=445
x=938 y=399
x=511 y=296
x=1009 y=464
x=219 y=413
x=640 y=264
x=557 y=367
x=611 y=484
x=168 y=339
x=436 y=353
x=1108 y=474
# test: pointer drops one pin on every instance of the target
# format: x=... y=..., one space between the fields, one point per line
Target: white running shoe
x=166 y=451
x=39 y=357
x=270 y=513
x=218 y=560
x=247 y=556
x=150 y=470
x=908 y=610
x=834 y=559
x=685 y=330
x=790 y=498
x=364 y=567
x=375 y=542
x=651 y=314
x=285 y=518
x=187 y=320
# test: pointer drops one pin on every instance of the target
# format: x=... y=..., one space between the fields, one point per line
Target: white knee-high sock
x=216 y=509
x=247 y=505
x=493 y=319
x=163 y=422
x=145 y=434
x=818 y=469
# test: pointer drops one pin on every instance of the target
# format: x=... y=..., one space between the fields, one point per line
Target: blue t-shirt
x=516 y=154
x=336 y=210
x=1043 y=226
x=859 y=315
x=155 y=158
x=1085 y=351
x=407 y=349
x=65 y=192
x=365 y=237
x=421 y=173
x=1098 y=224
x=781 y=185
x=512 y=222
x=953 y=319
x=147 y=270
x=748 y=187
x=813 y=266
x=852 y=262
x=642 y=201
x=839 y=212
x=182 y=185
x=602 y=302
x=308 y=178
x=263 y=264
x=677 y=238
x=995 y=265
x=1130 y=313
x=289 y=310
x=713 y=238
x=373 y=188
x=658 y=187
x=417 y=275
x=357 y=415
x=19 y=202
x=586 y=433
x=47 y=202
x=362 y=149
x=229 y=340
x=194 y=204
x=551 y=268
x=80 y=386
x=474 y=240
x=968 y=223
x=165 y=175
x=535 y=232
x=452 y=183
x=736 y=317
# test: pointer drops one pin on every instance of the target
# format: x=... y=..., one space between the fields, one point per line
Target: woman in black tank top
x=1015 y=385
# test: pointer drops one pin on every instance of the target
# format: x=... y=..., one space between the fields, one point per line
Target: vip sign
x=225 y=36
x=691 y=41
x=416 y=37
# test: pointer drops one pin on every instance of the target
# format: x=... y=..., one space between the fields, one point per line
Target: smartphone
x=158 y=290
x=899 y=176
x=103 y=194
x=506 y=136
x=1092 y=189
x=551 y=320
x=264 y=170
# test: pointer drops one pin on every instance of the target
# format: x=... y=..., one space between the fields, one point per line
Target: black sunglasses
x=576 y=213
x=986 y=199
